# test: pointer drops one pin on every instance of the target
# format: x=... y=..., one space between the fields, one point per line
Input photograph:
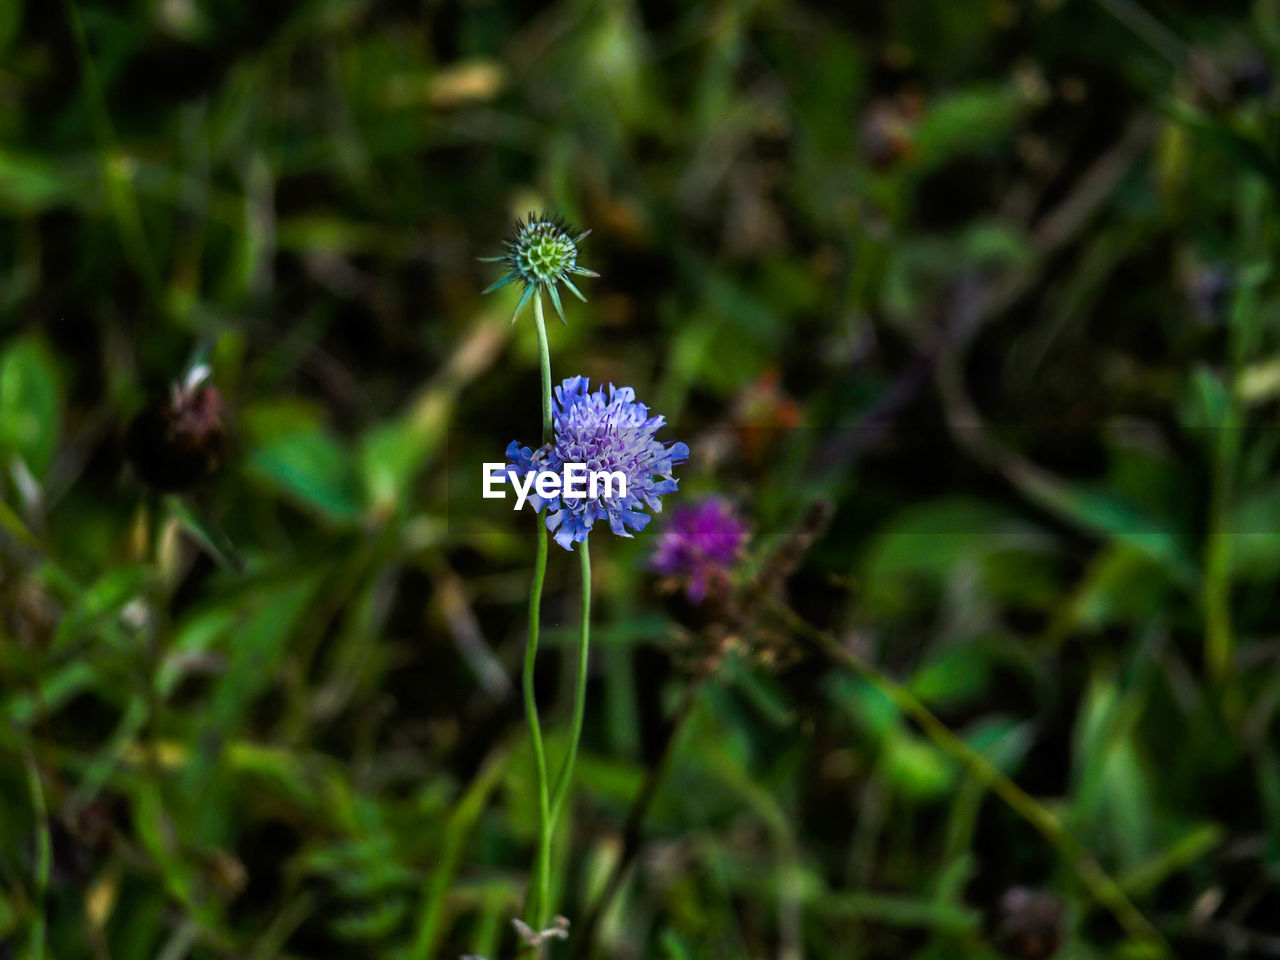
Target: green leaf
x=956 y=676
x=208 y=535
x=1116 y=518
x=102 y=602
x=1246 y=151
x=256 y=649
x=1122 y=584
x=30 y=404
x=968 y=121
x=928 y=545
x=916 y=767
x=312 y=469
x=392 y=454
x=1193 y=845
x=32 y=184
x=10 y=22
x=900 y=911
x=865 y=703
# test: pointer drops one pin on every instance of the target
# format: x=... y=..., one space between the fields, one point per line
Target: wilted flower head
x=175 y=443
x=888 y=129
x=610 y=433
x=1028 y=924
x=540 y=254
x=700 y=546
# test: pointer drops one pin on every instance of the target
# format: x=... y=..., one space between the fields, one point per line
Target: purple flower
x=609 y=434
x=701 y=545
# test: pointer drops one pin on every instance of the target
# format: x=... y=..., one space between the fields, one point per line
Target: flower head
x=1028 y=923
x=701 y=545
x=541 y=254
x=609 y=434
x=176 y=443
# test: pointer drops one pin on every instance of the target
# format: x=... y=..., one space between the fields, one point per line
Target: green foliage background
x=991 y=278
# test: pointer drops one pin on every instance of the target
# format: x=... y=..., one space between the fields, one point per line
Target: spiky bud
x=541 y=254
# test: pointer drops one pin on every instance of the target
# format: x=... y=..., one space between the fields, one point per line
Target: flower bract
x=541 y=254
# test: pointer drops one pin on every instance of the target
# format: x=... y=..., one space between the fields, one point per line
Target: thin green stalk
x=544 y=357
x=551 y=803
x=540 y=889
x=565 y=778
x=1100 y=885
x=542 y=867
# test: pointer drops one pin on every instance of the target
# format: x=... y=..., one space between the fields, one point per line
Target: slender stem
x=1100 y=885
x=542 y=869
x=551 y=803
x=544 y=356
x=565 y=777
x=540 y=888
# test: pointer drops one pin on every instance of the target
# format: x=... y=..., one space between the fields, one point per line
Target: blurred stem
x=540 y=887
x=152 y=649
x=565 y=777
x=1244 y=332
x=44 y=856
x=1218 y=652
x=632 y=833
x=622 y=717
x=117 y=167
x=14 y=527
x=1099 y=884
x=1150 y=30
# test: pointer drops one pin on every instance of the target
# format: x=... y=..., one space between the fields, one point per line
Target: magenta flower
x=700 y=546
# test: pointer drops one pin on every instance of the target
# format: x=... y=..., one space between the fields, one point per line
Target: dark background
x=989 y=279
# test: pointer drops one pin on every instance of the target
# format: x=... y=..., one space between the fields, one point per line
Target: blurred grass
x=991 y=278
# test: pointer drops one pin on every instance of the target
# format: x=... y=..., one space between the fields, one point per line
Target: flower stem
x=538 y=904
x=551 y=803
x=544 y=356
x=541 y=883
x=565 y=777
